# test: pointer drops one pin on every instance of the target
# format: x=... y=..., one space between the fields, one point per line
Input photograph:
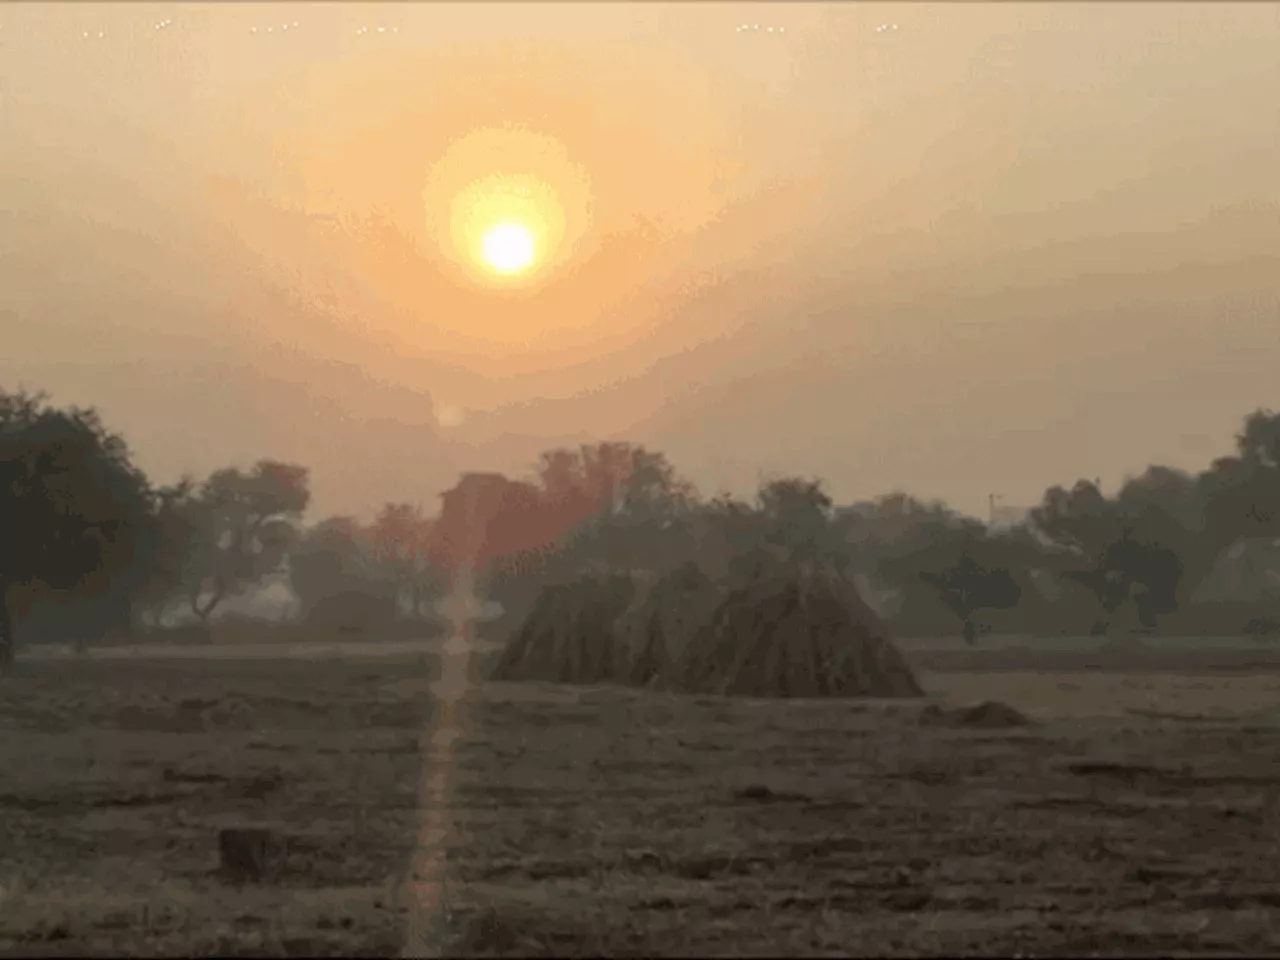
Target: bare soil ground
x=1138 y=813
x=116 y=777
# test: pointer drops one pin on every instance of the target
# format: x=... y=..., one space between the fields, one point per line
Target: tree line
x=86 y=530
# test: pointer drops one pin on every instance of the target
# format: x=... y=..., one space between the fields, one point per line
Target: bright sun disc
x=508 y=248
x=507 y=229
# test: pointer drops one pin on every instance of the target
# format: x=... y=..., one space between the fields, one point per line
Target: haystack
x=794 y=636
x=568 y=637
x=660 y=623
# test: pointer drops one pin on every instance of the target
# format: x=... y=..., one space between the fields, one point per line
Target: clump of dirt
x=164 y=719
x=760 y=793
x=251 y=855
x=988 y=715
x=231 y=713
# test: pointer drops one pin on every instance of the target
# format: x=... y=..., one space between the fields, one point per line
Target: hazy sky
x=954 y=249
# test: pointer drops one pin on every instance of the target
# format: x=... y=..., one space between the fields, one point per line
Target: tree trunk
x=206 y=630
x=219 y=592
x=6 y=631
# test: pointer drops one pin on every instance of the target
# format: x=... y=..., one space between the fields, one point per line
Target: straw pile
x=789 y=636
x=568 y=637
x=794 y=636
x=655 y=630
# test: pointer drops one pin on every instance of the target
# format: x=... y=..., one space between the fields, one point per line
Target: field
x=1138 y=813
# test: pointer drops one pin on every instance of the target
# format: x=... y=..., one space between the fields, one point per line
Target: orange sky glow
x=989 y=250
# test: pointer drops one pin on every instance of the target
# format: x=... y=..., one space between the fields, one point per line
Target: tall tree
x=74 y=509
x=644 y=520
x=968 y=586
x=965 y=565
x=1135 y=548
x=235 y=519
x=797 y=514
x=401 y=539
x=606 y=476
x=1170 y=509
x=1080 y=518
x=332 y=558
x=175 y=533
x=653 y=491
x=1242 y=493
x=1146 y=573
x=892 y=526
x=787 y=529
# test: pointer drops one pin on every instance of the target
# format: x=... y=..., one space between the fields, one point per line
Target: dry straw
x=787 y=635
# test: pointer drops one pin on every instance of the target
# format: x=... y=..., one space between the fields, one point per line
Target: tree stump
x=247 y=855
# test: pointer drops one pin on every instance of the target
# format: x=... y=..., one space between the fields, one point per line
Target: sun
x=505 y=227
x=507 y=207
x=508 y=248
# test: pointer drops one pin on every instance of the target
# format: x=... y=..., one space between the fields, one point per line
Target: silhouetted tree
x=963 y=564
x=1136 y=547
x=879 y=532
x=74 y=510
x=969 y=587
x=235 y=521
x=1242 y=493
x=401 y=540
x=1080 y=518
x=1200 y=518
x=644 y=520
x=788 y=529
x=604 y=506
x=611 y=476
x=175 y=533
x=1175 y=493
x=653 y=491
x=329 y=559
x=798 y=514
x=1129 y=569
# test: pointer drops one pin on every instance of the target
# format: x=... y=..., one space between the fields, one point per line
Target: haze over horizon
x=987 y=250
